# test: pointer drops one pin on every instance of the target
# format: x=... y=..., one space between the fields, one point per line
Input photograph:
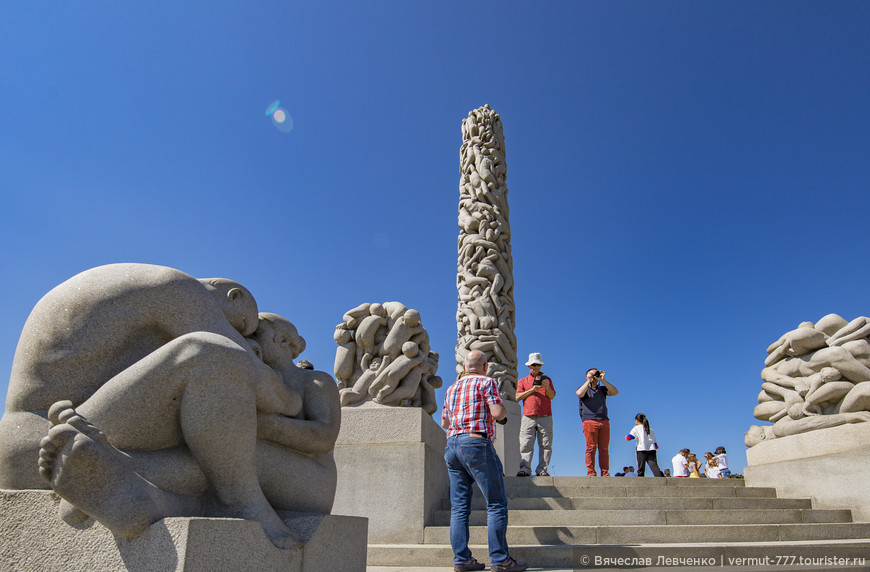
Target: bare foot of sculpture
x=66 y=510
x=98 y=479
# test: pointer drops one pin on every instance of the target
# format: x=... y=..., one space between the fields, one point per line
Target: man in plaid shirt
x=470 y=406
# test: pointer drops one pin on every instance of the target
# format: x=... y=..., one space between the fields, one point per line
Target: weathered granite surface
x=817 y=376
x=33 y=538
x=486 y=313
x=392 y=470
x=137 y=390
x=383 y=355
x=831 y=466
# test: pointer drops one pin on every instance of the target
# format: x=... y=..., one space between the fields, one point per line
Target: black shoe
x=468 y=566
x=509 y=565
x=523 y=473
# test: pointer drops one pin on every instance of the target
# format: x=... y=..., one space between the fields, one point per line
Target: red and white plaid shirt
x=466 y=405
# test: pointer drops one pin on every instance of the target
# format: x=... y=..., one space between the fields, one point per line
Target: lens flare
x=280 y=118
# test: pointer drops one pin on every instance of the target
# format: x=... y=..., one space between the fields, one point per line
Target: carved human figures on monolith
x=817 y=376
x=486 y=316
x=383 y=356
x=136 y=389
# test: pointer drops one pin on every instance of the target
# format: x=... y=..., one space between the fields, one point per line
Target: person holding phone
x=536 y=391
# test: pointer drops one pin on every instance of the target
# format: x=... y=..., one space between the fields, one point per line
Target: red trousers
x=597 y=432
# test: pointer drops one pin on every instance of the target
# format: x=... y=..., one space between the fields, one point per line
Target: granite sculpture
x=383 y=356
x=485 y=316
x=145 y=393
x=816 y=376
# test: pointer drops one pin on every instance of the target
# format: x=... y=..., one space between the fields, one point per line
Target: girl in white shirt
x=712 y=469
x=646 y=445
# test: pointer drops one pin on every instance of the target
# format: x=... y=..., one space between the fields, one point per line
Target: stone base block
x=35 y=538
x=507 y=438
x=830 y=466
x=390 y=469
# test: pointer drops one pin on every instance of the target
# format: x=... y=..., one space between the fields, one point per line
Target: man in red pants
x=596 y=425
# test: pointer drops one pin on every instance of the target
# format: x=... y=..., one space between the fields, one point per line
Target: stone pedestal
x=830 y=466
x=507 y=438
x=390 y=469
x=35 y=538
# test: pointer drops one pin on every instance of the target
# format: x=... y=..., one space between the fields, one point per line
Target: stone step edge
x=580 y=495
x=773 y=532
x=567 y=555
x=645 y=569
x=580 y=500
x=560 y=558
x=807 y=525
x=844 y=542
x=659 y=481
x=836 y=541
x=726 y=568
x=675 y=518
x=441 y=513
x=781 y=546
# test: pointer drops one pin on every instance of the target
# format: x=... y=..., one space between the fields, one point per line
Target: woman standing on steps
x=646 y=445
x=694 y=465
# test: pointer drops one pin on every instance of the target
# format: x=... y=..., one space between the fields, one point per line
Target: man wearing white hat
x=536 y=391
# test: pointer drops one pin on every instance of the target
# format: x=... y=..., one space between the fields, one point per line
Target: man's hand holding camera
x=594 y=378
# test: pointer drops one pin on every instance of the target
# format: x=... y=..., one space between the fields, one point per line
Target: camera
x=538 y=381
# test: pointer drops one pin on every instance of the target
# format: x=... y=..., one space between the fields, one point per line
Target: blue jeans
x=474 y=460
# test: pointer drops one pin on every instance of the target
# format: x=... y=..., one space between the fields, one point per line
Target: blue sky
x=688 y=180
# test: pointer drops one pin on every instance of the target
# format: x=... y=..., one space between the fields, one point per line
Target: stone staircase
x=590 y=523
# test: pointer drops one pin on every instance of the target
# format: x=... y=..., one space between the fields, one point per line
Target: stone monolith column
x=486 y=314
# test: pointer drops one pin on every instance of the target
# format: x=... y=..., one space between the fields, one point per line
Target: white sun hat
x=534 y=359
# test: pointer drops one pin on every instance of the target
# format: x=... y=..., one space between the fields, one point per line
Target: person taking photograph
x=596 y=425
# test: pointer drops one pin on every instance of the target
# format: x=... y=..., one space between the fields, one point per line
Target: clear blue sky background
x=688 y=180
